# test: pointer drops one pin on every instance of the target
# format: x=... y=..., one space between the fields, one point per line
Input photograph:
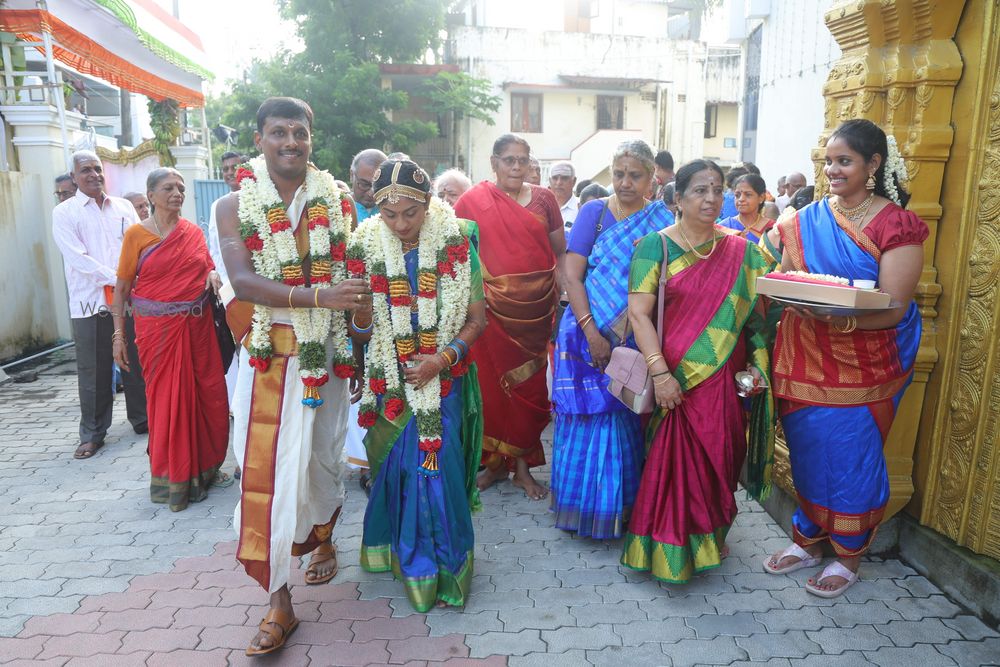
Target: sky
x=235 y=32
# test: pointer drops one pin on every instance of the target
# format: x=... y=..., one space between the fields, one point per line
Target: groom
x=292 y=486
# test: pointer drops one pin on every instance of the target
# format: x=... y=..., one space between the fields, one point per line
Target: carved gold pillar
x=899 y=67
x=961 y=497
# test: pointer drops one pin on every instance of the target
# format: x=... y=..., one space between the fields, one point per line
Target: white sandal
x=834 y=569
x=805 y=559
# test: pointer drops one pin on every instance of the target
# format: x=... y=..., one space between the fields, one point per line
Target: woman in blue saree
x=420 y=400
x=840 y=379
x=750 y=195
x=598 y=443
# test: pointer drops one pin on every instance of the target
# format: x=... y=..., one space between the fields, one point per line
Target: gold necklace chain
x=697 y=254
x=617 y=210
x=157 y=225
x=753 y=226
x=410 y=245
x=852 y=213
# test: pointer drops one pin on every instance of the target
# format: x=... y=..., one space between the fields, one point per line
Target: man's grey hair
x=450 y=175
x=369 y=156
x=62 y=178
x=84 y=156
x=132 y=195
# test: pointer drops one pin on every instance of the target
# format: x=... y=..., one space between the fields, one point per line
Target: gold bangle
x=652 y=359
x=852 y=324
x=659 y=382
x=290 y=290
x=582 y=322
x=316 y=297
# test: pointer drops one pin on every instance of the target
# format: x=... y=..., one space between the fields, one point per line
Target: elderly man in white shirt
x=88 y=229
x=562 y=179
x=230 y=161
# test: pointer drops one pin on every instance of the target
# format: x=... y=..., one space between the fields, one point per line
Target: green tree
x=338 y=74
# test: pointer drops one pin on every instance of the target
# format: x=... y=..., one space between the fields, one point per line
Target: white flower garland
x=442 y=306
x=268 y=234
x=893 y=165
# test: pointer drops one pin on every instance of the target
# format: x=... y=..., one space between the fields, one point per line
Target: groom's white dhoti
x=291 y=456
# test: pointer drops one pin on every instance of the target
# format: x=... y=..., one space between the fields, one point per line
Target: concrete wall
x=797 y=53
x=27 y=318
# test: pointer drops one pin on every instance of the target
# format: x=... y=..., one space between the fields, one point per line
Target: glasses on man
x=510 y=161
x=63 y=195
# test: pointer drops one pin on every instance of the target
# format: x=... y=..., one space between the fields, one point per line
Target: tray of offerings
x=825 y=295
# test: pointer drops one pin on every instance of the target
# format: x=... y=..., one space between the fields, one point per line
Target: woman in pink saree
x=711 y=331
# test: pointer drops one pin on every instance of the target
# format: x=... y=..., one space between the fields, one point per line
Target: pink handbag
x=630 y=380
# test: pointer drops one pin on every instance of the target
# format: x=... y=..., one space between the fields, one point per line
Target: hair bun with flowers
x=894 y=165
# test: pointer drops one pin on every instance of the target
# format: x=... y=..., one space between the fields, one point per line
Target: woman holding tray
x=711 y=331
x=839 y=379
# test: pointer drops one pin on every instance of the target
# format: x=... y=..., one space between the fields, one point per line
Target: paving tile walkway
x=91 y=573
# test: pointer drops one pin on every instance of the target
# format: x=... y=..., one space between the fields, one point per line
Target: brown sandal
x=323 y=553
x=285 y=627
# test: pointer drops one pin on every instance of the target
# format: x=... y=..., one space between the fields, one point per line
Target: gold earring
x=870 y=185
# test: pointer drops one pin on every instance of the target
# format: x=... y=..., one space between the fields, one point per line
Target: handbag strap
x=599 y=226
x=663 y=286
x=659 y=296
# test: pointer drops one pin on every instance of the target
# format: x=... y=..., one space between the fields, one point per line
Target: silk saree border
x=810 y=394
x=260 y=457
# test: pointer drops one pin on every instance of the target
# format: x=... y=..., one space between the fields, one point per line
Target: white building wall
x=26 y=286
x=529 y=61
x=797 y=54
x=628 y=17
x=613 y=17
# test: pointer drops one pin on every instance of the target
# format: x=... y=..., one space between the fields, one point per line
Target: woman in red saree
x=166 y=269
x=521 y=236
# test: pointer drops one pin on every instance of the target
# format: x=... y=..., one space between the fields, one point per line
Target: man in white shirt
x=562 y=179
x=230 y=161
x=88 y=229
x=793 y=182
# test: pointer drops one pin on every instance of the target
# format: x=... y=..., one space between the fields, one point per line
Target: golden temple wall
x=958 y=459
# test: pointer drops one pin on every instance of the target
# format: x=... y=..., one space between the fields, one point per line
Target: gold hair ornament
x=395 y=190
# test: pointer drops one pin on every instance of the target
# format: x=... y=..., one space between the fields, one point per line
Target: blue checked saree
x=598 y=444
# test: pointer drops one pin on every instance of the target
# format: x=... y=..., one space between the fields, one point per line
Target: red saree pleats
x=185 y=385
x=519 y=277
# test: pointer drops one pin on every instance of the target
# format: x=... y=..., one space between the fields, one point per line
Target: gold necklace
x=410 y=245
x=853 y=213
x=753 y=226
x=157 y=225
x=697 y=254
x=618 y=209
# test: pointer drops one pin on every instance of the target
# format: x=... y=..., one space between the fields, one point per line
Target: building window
x=525 y=113
x=610 y=112
x=711 y=120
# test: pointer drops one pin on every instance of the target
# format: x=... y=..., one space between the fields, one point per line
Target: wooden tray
x=824 y=294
